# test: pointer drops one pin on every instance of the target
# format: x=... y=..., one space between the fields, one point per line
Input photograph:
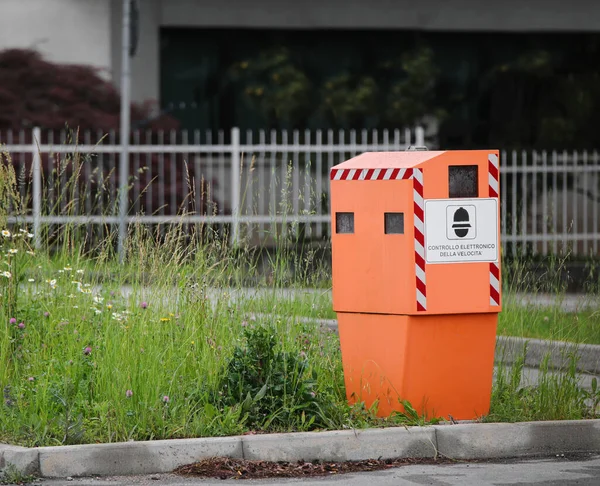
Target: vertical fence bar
x=585 y=178
x=285 y=184
x=186 y=187
x=534 y=203
x=319 y=183
x=149 y=207
x=263 y=202
x=37 y=186
x=596 y=199
x=307 y=180
x=296 y=179
x=21 y=171
x=273 y=182
x=545 y=203
x=63 y=162
x=554 y=201
x=503 y=193
x=210 y=207
x=235 y=185
x=575 y=223
x=396 y=140
x=330 y=155
x=249 y=189
x=222 y=178
x=161 y=172
x=198 y=181
x=419 y=137
x=87 y=187
x=173 y=162
x=514 y=208
x=524 y=203
x=50 y=184
x=564 y=231
x=135 y=206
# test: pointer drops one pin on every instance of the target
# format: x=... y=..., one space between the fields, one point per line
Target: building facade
x=186 y=47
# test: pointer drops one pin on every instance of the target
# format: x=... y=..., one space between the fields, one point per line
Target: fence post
x=419 y=137
x=236 y=158
x=36 y=140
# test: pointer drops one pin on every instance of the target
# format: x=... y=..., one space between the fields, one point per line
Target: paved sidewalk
x=581 y=470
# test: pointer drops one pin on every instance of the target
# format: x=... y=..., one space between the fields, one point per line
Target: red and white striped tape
x=419 y=210
x=370 y=174
x=494 y=184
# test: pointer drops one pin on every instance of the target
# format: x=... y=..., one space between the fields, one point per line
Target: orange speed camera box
x=416 y=278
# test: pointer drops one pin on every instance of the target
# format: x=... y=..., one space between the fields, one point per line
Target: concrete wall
x=66 y=31
x=466 y=15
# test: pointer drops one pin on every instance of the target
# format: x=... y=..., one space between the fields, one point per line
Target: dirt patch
x=226 y=468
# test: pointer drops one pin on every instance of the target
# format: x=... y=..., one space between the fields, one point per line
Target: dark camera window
x=344 y=222
x=394 y=223
x=462 y=181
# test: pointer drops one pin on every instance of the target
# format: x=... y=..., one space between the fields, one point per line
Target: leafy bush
x=275 y=388
x=35 y=92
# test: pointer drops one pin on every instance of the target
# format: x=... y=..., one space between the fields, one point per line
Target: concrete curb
x=461 y=441
x=495 y=441
x=126 y=458
x=346 y=445
x=509 y=349
x=23 y=459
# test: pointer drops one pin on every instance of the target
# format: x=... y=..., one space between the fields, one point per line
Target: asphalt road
x=580 y=470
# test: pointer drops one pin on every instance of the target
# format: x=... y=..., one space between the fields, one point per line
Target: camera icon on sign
x=461 y=222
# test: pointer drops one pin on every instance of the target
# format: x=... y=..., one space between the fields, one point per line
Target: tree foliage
x=36 y=92
x=398 y=92
x=543 y=99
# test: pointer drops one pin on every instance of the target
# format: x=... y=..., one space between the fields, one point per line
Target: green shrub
x=275 y=388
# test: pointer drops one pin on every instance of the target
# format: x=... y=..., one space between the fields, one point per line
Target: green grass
x=81 y=363
x=516 y=319
x=179 y=355
x=557 y=394
x=550 y=323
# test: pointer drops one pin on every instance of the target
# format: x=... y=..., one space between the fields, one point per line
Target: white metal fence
x=255 y=184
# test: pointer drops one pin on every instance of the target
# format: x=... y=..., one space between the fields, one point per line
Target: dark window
x=394 y=224
x=344 y=222
x=462 y=181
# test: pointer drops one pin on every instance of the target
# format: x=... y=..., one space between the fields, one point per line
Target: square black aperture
x=394 y=223
x=344 y=222
x=462 y=181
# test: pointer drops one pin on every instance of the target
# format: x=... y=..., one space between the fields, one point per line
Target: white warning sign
x=461 y=230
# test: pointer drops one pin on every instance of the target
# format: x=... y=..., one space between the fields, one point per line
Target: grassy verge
x=80 y=362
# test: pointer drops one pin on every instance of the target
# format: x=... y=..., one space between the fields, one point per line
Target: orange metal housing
x=439 y=358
